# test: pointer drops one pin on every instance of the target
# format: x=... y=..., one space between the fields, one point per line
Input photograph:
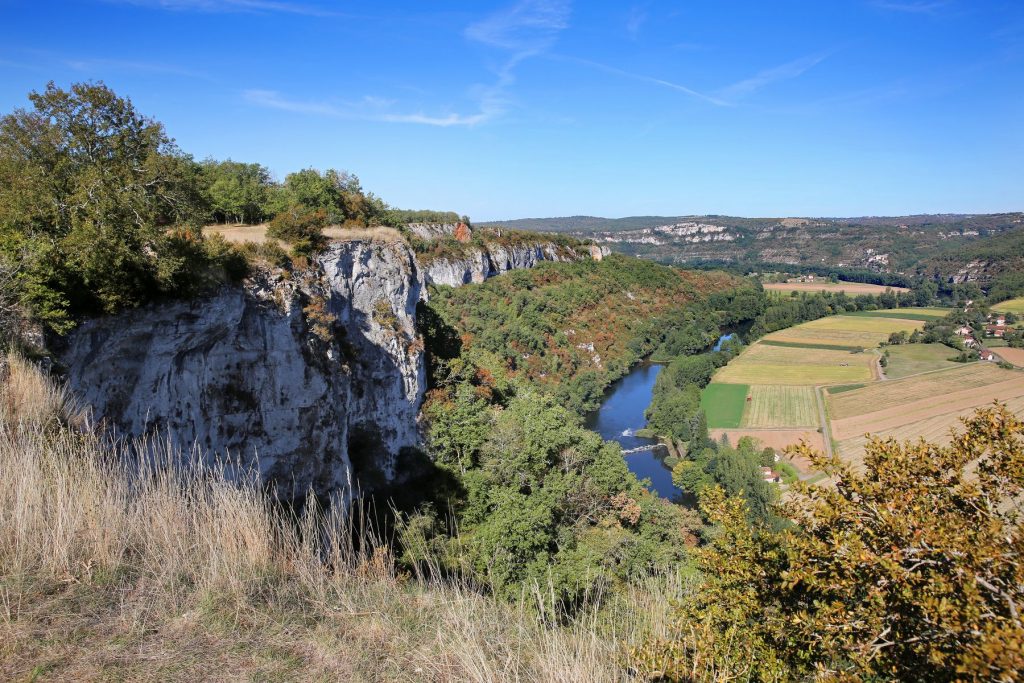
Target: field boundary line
x=826 y=432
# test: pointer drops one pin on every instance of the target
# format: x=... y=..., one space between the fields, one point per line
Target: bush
x=302 y=228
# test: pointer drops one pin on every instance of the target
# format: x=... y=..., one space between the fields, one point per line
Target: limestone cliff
x=316 y=378
x=480 y=263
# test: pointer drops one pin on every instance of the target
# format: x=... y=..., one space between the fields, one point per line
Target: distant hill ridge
x=601 y=224
x=952 y=248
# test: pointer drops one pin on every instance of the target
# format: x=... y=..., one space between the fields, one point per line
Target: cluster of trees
x=101 y=211
x=247 y=193
x=536 y=498
x=675 y=413
x=572 y=328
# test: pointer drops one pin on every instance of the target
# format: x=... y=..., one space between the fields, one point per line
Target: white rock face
x=482 y=263
x=235 y=374
x=316 y=379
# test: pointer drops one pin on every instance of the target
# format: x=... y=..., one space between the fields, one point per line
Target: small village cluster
x=995 y=328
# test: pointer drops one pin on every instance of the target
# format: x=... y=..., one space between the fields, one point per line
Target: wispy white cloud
x=370 y=108
x=635 y=21
x=527 y=28
x=783 y=72
x=912 y=6
x=260 y=6
x=615 y=71
x=524 y=30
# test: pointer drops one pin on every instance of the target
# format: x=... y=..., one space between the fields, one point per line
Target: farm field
x=775 y=438
x=781 y=406
x=936 y=386
x=911 y=359
x=1008 y=306
x=846 y=331
x=851 y=288
x=915 y=313
x=924 y=393
x=1014 y=356
x=723 y=404
x=935 y=428
x=768 y=364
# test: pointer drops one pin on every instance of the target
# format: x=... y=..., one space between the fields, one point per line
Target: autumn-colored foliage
x=909 y=569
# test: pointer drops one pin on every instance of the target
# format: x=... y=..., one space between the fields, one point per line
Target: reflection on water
x=621 y=414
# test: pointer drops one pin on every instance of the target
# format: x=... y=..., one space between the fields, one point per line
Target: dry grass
x=1013 y=356
x=935 y=386
x=131 y=562
x=934 y=428
x=336 y=233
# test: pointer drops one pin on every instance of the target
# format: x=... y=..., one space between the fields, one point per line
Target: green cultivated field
x=911 y=359
x=1011 y=306
x=922 y=314
x=781 y=406
x=844 y=387
x=799 y=345
x=723 y=404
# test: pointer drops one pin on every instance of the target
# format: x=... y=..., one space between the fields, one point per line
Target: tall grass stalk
x=186 y=569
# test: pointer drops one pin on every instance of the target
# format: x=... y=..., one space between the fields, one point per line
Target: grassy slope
x=1011 y=306
x=112 y=571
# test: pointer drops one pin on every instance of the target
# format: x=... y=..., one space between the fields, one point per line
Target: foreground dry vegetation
x=134 y=562
x=115 y=564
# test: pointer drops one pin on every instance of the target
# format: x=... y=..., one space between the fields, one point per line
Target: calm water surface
x=621 y=414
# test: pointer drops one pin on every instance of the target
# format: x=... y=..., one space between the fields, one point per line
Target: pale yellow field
x=845 y=331
x=788 y=355
x=781 y=406
x=765 y=364
x=792 y=374
x=258 y=233
x=897 y=394
x=935 y=429
x=851 y=288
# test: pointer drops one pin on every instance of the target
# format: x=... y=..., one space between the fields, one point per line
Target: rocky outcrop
x=435 y=231
x=314 y=378
x=316 y=382
x=481 y=263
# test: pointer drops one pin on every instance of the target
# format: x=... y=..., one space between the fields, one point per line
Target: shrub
x=302 y=228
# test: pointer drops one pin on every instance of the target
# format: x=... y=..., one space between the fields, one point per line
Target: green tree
x=237 y=191
x=88 y=189
x=909 y=568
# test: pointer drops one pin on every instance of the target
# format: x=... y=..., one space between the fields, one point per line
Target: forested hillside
x=944 y=246
x=573 y=328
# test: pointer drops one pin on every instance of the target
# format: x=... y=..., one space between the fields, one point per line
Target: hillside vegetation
x=572 y=328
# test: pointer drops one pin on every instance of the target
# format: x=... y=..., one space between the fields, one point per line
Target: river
x=621 y=414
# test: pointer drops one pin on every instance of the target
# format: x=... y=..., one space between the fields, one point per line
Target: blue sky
x=553 y=108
